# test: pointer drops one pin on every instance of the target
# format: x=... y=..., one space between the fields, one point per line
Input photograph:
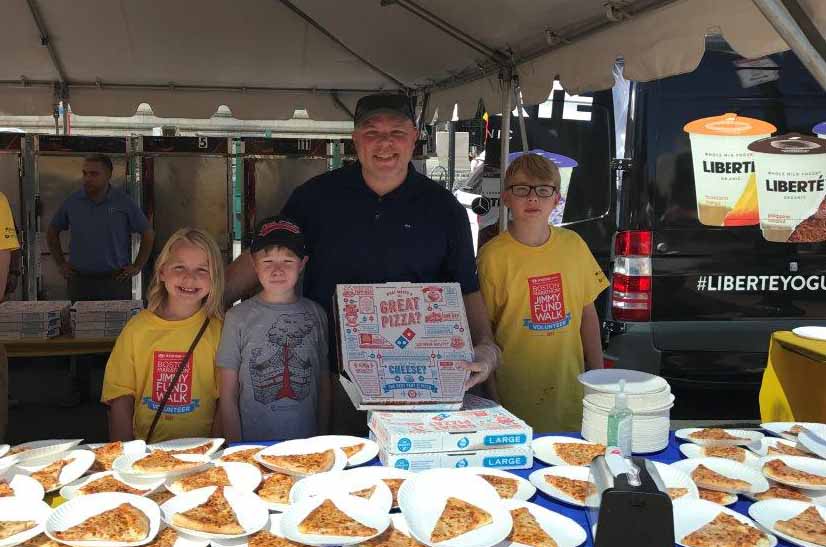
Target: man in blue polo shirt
x=101 y=220
x=379 y=221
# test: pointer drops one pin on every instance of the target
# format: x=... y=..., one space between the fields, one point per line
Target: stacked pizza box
x=482 y=434
x=35 y=319
x=102 y=319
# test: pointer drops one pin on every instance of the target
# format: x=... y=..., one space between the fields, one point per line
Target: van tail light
x=631 y=280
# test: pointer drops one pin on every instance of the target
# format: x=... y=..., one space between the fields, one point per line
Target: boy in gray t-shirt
x=274 y=379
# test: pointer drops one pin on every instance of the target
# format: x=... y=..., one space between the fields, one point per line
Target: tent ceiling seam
x=46 y=40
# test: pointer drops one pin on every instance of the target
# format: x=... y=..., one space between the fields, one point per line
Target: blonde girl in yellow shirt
x=185 y=294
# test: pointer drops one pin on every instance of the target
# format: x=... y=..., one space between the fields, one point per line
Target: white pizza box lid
x=14 y=311
x=425 y=432
x=399 y=344
x=513 y=457
x=19 y=335
x=82 y=306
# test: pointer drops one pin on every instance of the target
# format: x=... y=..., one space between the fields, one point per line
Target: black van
x=691 y=302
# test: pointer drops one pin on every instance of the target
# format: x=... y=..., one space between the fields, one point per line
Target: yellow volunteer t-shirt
x=535 y=297
x=143 y=362
x=8 y=234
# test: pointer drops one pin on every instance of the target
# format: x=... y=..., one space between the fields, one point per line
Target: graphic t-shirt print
x=547 y=303
x=164 y=366
x=279 y=370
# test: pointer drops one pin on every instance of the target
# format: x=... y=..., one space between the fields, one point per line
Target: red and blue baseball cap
x=280 y=231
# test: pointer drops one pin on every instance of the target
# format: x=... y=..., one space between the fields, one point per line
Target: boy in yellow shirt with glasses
x=539 y=284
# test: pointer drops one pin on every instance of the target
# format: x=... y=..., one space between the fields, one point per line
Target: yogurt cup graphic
x=820 y=130
x=724 y=168
x=791 y=187
x=566 y=169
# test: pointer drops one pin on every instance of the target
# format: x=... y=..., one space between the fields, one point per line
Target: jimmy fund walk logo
x=761 y=283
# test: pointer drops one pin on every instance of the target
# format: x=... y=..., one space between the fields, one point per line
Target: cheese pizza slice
x=711 y=480
x=808 y=526
x=266 y=539
x=391 y=537
x=40 y=540
x=106 y=454
x=5 y=489
x=726 y=531
x=246 y=456
x=123 y=523
x=794 y=430
x=328 y=520
x=215 y=516
x=365 y=493
x=9 y=528
x=351 y=451
x=714 y=496
x=49 y=476
x=108 y=484
x=715 y=434
x=527 y=531
x=780 y=471
x=577 y=489
x=276 y=488
x=214 y=476
x=161 y=461
x=728 y=452
x=161 y=496
x=166 y=538
x=676 y=493
x=781 y=491
x=394 y=485
x=578 y=453
x=303 y=464
x=781 y=449
x=200 y=449
x=459 y=517
x=505 y=486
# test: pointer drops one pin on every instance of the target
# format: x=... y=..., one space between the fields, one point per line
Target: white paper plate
x=691 y=450
x=565 y=531
x=300 y=446
x=273 y=526
x=817 y=497
x=763 y=448
x=422 y=500
x=812 y=333
x=729 y=468
x=184 y=540
x=188 y=443
x=808 y=465
x=636 y=382
x=75 y=511
x=251 y=512
x=813 y=439
x=691 y=515
x=343 y=483
x=751 y=437
x=381 y=472
x=577 y=472
x=674 y=478
x=271 y=505
x=768 y=512
x=72 y=490
x=41 y=449
x=238 y=448
x=356 y=508
x=780 y=428
x=543 y=448
x=7 y=463
x=242 y=476
x=82 y=460
x=3 y=449
x=23 y=486
x=129 y=447
x=524 y=491
x=123 y=465
x=23 y=509
x=369 y=451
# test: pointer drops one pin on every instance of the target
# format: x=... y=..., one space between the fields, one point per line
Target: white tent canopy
x=266 y=58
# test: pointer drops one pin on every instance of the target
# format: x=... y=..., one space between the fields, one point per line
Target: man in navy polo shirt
x=379 y=221
x=101 y=220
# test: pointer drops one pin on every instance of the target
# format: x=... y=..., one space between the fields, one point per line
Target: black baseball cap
x=281 y=231
x=384 y=103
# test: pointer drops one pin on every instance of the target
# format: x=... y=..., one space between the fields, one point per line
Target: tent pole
x=790 y=31
x=523 y=133
x=504 y=140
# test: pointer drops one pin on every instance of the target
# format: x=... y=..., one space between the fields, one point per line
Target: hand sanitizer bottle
x=620 y=422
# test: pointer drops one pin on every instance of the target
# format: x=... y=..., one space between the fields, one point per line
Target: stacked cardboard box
x=103 y=319
x=24 y=319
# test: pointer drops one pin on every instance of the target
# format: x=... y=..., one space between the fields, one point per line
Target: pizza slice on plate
x=40 y=540
x=161 y=496
x=276 y=488
x=391 y=537
x=166 y=538
x=246 y=456
x=123 y=523
x=49 y=476
x=304 y=464
x=781 y=491
x=106 y=454
x=328 y=520
x=200 y=449
x=781 y=449
x=808 y=526
x=794 y=430
x=161 y=461
x=578 y=453
x=676 y=493
x=215 y=516
x=728 y=452
x=266 y=539
x=394 y=485
x=711 y=480
x=459 y=517
x=575 y=488
x=780 y=471
x=715 y=434
x=5 y=489
x=527 y=531
x=9 y=528
x=726 y=531
x=365 y=493
x=714 y=496
x=108 y=484
x=214 y=476
x=351 y=451
x=505 y=486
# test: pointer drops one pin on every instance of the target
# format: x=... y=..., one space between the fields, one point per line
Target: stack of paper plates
x=649 y=397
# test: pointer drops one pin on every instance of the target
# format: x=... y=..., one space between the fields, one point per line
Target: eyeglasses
x=524 y=190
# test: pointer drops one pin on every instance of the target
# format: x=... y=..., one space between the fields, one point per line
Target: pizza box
x=23 y=311
x=106 y=311
x=425 y=432
x=399 y=345
x=514 y=457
